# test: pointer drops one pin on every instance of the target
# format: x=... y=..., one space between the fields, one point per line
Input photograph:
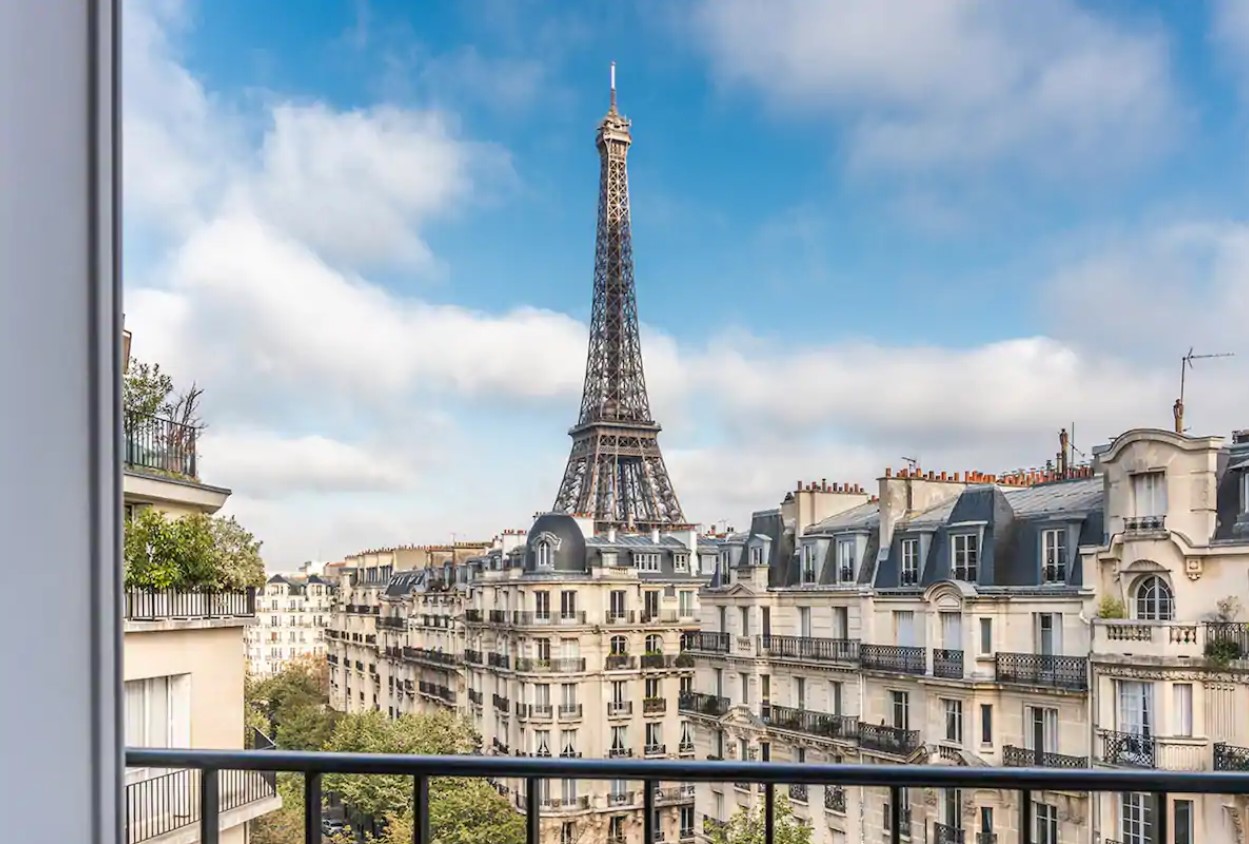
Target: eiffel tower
x=616 y=473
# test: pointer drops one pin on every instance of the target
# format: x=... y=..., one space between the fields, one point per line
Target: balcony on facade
x=1023 y=757
x=392 y=622
x=947 y=834
x=1141 y=750
x=438 y=692
x=619 y=708
x=619 y=662
x=683 y=793
x=809 y=649
x=947 y=664
x=652 y=750
x=431 y=657
x=473 y=657
x=559 y=665
x=179 y=605
x=706 y=642
x=654 y=705
x=700 y=703
x=1228 y=757
x=498 y=661
x=501 y=703
x=475 y=697
x=535 y=711
x=530 y=618
x=893 y=658
x=1067 y=673
x=473 y=616
x=659 y=616
x=810 y=722
x=1144 y=524
x=169 y=803
x=161 y=444
x=570 y=711
x=884 y=739
x=659 y=662
x=497 y=616
x=835 y=799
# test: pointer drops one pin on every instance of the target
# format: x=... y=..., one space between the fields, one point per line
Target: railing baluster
x=769 y=813
x=420 y=810
x=1163 y=800
x=209 y=816
x=648 y=811
x=1025 y=816
x=895 y=815
x=312 y=808
x=533 y=818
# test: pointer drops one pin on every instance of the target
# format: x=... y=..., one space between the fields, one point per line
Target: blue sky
x=861 y=231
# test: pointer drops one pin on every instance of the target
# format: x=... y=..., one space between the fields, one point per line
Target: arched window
x=654 y=644
x=619 y=646
x=542 y=555
x=1154 y=601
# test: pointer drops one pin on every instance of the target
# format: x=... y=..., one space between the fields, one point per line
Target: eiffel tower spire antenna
x=616 y=473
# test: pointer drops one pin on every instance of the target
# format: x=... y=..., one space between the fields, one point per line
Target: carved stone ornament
x=930 y=797
x=1192 y=568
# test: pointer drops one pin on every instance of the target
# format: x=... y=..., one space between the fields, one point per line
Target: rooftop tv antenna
x=1186 y=363
x=912 y=463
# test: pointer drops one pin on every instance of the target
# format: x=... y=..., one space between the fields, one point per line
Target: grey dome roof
x=567 y=543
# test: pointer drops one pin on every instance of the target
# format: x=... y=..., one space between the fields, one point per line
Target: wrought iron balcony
x=947 y=663
x=808 y=648
x=619 y=753
x=655 y=749
x=659 y=616
x=212 y=789
x=497 y=616
x=619 y=708
x=171 y=802
x=179 y=604
x=835 y=798
x=569 y=711
x=811 y=722
x=896 y=658
x=1227 y=640
x=946 y=834
x=473 y=616
x=618 y=662
x=535 y=711
x=475 y=696
x=798 y=792
x=1022 y=757
x=657 y=661
x=1228 y=757
x=621 y=617
x=705 y=642
x=498 y=661
x=620 y=798
x=156 y=443
x=502 y=704
x=703 y=704
x=392 y=622
x=1136 y=750
x=1069 y=673
x=654 y=705
x=685 y=748
x=986 y=838
x=430 y=657
x=473 y=657
x=1144 y=524
x=559 y=665
x=885 y=739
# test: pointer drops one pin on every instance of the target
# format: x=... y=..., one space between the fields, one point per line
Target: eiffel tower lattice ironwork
x=616 y=473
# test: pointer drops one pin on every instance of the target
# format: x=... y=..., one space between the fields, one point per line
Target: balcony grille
x=811 y=722
x=809 y=648
x=1228 y=757
x=1022 y=757
x=163 y=604
x=835 y=798
x=903 y=660
x=717 y=643
x=1046 y=670
x=946 y=834
x=212 y=789
x=888 y=739
x=161 y=444
x=1136 y=750
x=947 y=663
x=166 y=803
x=703 y=704
x=1144 y=524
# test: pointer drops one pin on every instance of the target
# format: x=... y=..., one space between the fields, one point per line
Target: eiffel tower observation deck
x=616 y=473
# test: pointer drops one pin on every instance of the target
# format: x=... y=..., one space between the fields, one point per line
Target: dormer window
x=909 y=575
x=544 y=555
x=966 y=556
x=1244 y=491
x=681 y=562
x=1054 y=556
x=646 y=562
x=845 y=560
x=756 y=555
x=808 y=564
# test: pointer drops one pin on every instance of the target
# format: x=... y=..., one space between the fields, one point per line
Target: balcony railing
x=175 y=604
x=473 y=616
x=809 y=648
x=559 y=665
x=161 y=444
x=619 y=708
x=946 y=834
x=798 y=792
x=835 y=798
x=1229 y=757
x=1046 y=670
x=717 y=643
x=703 y=704
x=655 y=749
x=569 y=710
x=1227 y=639
x=618 y=662
x=811 y=722
x=1144 y=524
x=656 y=661
x=166 y=803
x=1133 y=749
x=392 y=622
x=532 y=771
x=498 y=661
x=501 y=703
x=947 y=663
x=473 y=657
x=1023 y=757
x=903 y=660
x=885 y=739
x=654 y=705
x=621 y=617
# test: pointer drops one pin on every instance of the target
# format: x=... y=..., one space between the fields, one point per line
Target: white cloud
x=922 y=86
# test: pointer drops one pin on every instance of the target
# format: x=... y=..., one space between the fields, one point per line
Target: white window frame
x=1054 y=555
x=543 y=555
x=1149 y=494
x=965 y=556
x=646 y=561
x=1160 y=606
x=756 y=555
x=1244 y=491
x=953 y=711
x=1045 y=823
x=847 y=552
x=681 y=562
x=909 y=574
x=807 y=571
x=1182 y=709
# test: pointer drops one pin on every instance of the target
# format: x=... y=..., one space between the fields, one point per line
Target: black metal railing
x=168 y=802
x=212 y=785
x=811 y=722
x=1137 y=750
x=1229 y=757
x=619 y=708
x=1047 y=670
x=886 y=739
x=621 y=617
x=653 y=661
x=618 y=662
x=162 y=444
x=559 y=665
x=798 y=792
x=473 y=657
x=835 y=798
x=497 y=616
x=986 y=837
x=705 y=642
x=392 y=622
x=703 y=704
x=947 y=663
x=170 y=604
x=1023 y=757
x=1227 y=640
x=947 y=834
x=432 y=657
x=1142 y=524
x=809 y=648
x=501 y=703
x=498 y=661
x=654 y=705
x=897 y=658
x=655 y=749
x=570 y=710
x=473 y=616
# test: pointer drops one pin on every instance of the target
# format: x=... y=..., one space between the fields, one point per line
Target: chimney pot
x=888 y=471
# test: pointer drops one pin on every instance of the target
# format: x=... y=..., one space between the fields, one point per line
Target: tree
x=747 y=826
x=146 y=391
x=292 y=706
x=190 y=552
x=461 y=811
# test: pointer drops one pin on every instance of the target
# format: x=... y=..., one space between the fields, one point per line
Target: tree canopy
x=146 y=391
x=190 y=552
x=292 y=707
x=747 y=826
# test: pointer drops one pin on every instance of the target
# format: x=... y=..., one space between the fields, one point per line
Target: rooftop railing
x=176 y=604
x=215 y=767
x=156 y=443
x=170 y=802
